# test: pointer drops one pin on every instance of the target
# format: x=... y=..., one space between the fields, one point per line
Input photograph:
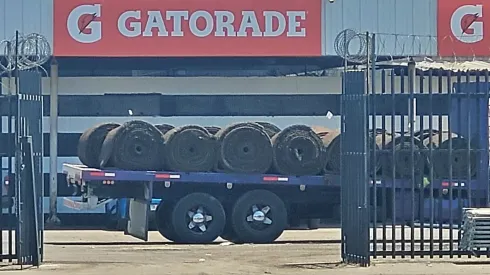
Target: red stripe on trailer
x=97 y=174
x=102 y=174
x=272 y=178
x=167 y=176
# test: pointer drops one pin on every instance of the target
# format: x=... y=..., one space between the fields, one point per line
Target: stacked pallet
x=475 y=229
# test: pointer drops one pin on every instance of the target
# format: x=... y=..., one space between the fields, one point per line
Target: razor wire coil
x=352 y=46
x=28 y=52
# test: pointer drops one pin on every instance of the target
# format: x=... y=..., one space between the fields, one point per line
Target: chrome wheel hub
x=199 y=220
x=259 y=215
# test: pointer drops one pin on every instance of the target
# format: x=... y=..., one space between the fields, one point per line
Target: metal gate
x=21 y=152
x=414 y=153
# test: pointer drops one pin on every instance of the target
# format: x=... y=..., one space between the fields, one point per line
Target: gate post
x=354 y=169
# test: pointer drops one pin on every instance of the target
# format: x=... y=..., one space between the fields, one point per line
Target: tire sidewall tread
x=245 y=233
x=179 y=217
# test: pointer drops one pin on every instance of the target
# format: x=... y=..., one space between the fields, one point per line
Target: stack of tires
x=245 y=148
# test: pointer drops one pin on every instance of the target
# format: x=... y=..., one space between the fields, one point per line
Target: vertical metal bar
x=459 y=119
x=12 y=181
x=383 y=177
x=2 y=170
x=421 y=178
x=53 y=143
x=485 y=146
x=354 y=170
x=393 y=169
x=372 y=147
x=403 y=190
x=431 y=167
x=487 y=149
x=468 y=134
x=40 y=152
x=440 y=193
x=411 y=117
x=475 y=142
x=364 y=217
x=344 y=191
x=19 y=231
x=451 y=224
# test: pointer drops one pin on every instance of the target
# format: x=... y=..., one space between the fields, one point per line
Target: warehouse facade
x=194 y=62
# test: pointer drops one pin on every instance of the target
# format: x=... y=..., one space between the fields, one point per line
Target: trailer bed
x=77 y=174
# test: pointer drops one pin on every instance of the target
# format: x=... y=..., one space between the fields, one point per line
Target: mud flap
x=139 y=212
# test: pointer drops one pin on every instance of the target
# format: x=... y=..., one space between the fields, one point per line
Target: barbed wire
x=31 y=51
x=353 y=46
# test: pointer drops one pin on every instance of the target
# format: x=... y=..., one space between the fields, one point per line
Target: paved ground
x=101 y=252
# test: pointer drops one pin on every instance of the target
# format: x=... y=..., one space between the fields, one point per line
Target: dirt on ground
x=306 y=252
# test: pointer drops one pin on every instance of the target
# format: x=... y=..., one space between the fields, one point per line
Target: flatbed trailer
x=199 y=207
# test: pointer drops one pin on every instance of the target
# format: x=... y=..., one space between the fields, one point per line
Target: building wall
x=403 y=27
x=26 y=16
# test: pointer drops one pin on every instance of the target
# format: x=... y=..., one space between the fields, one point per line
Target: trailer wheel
x=259 y=216
x=198 y=218
x=163 y=222
x=229 y=233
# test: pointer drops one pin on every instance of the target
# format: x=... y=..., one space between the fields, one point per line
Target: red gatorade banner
x=463 y=28
x=118 y=28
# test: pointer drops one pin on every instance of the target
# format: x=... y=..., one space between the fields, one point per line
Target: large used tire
x=90 y=143
x=163 y=222
x=328 y=136
x=135 y=145
x=190 y=149
x=164 y=128
x=229 y=233
x=213 y=130
x=402 y=162
x=244 y=148
x=269 y=128
x=246 y=220
x=190 y=227
x=459 y=160
x=298 y=151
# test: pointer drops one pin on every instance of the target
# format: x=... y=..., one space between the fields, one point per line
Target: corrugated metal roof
x=428 y=64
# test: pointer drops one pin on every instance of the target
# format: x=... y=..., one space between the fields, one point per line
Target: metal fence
x=22 y=217
x=414 y=154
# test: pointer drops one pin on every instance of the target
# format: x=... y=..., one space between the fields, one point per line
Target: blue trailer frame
x=91 y=179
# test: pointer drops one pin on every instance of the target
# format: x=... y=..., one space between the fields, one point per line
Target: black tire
x=90 y=143
x=229 y=233
x=313 y=224
x=259 y=232
x=210 y=206
x=162 y=221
